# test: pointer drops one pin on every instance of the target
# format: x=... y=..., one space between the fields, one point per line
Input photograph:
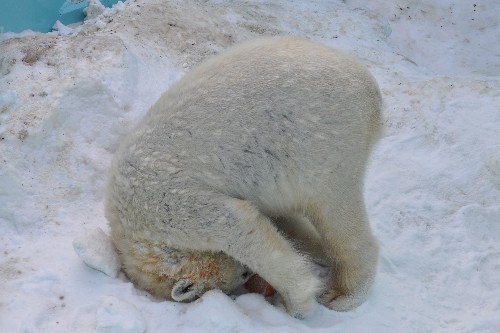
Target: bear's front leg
x=250 y=237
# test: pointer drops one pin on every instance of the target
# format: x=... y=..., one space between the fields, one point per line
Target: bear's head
x=206 y=271
x=185 y=276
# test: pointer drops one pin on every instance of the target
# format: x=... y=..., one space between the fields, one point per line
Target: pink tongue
x=258 y=285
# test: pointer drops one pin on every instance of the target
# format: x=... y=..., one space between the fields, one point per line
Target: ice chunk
x=63 y=30
x=94 y=9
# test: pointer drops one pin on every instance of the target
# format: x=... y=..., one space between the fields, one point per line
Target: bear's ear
x=184 y=290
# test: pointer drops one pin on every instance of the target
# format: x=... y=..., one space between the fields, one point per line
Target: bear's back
x=267 y=82
x=269 y=116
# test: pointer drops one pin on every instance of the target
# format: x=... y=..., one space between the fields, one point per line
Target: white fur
x=272 y=135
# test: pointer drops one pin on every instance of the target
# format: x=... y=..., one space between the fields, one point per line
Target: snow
x=62 y=29
x=116 y=316
x=94 y=9
x=432 y=189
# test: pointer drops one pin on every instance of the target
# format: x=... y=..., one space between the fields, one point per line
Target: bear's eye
x=187 y=288
x=246 y=274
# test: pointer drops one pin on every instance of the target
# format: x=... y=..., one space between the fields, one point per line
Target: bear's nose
x=245 y=275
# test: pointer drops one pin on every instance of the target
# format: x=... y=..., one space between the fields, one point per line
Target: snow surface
x=433 y=187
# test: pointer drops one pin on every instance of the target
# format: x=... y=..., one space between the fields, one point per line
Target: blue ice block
x=72 y=12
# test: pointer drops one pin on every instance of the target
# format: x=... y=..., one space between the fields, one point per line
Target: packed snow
x=432 y=188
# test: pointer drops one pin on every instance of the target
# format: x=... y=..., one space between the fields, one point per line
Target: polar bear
x=254 y=149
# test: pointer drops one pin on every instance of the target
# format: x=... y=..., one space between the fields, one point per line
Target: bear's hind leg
x=349 y=243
